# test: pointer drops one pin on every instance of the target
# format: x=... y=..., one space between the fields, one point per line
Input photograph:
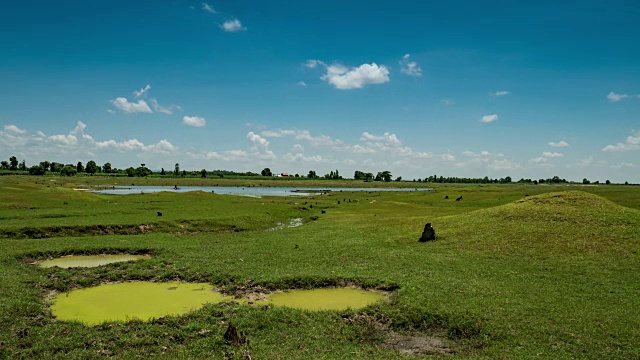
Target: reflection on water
x=326 y=299
x=246 y=191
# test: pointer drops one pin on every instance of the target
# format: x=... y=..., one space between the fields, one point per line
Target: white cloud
x=343 y=78
x=613 y=97
x=14 y=130
x=386 y=137
x=301 y=158
x=257 y=140
x=312 y=64
x=559 y=144
x=302 y=83
x=501 y=93
x=359 y=149
x=624 y=165
x=163 y=109
x=489 y=118
x=302 y=135
x=298 y=148
x=548 y=154
x=232 y=26
x=632 y=143
x=448 y=157
x=206 y=7
x=409 y=67
x=539 y=160
x=196 y=121
x=131 y=107
x=503 y=165
x=68 y=140
x=447 y=102
x=142 y=92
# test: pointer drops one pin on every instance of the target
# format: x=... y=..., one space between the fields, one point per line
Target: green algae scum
x=326 y=299
x=89 y=260
x=133 y=300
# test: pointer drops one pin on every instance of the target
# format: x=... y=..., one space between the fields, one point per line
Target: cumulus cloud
x=559 y=144
x=548 y=154
x=539 y=160
x=344 y=78
x=196 y=121
x=613 y=97
x=125 y=105
x=448 y=157
x=206 y=7
x=319 y=140
x=489 y=118
x=68 y=140
x=142 y=92
x=632 y=143
x=304 y=159
x=501 y=93
x=232 y=26
x=261 y=146
x=298 y=148
x=14 y=130
x=409 y=67
x=386 y=137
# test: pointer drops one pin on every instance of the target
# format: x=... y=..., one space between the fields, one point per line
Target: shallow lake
x=89 y=260
x=245 y=191
x=133 y=300
x=326 y=299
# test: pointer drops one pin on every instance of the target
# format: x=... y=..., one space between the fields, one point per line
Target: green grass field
x=517 y=271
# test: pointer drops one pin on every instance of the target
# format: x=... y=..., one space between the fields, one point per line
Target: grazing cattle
x=159 y=213
x=323 y=211
x=460 y=198
x=338 y=202
x=446 y=197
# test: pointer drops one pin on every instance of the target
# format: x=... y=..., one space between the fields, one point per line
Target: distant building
x=284 y=174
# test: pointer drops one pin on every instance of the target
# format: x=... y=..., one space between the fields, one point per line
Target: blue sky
x=457 y=88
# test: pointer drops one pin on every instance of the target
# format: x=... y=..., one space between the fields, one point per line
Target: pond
x=133 y=300
x=326 y=299
x=244 y=191
x=89 y=260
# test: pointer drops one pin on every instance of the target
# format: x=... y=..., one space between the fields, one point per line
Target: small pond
x=244 y=191
x=89 y=260
x=326 y=299
x=133 y=300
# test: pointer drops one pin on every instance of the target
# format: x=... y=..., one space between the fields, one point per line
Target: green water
x=326 y=299
x=133 y=300
x=89 y=260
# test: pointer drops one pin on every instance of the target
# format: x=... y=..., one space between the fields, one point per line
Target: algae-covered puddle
x=326 y=299
x=133 y=300
x=89 y=260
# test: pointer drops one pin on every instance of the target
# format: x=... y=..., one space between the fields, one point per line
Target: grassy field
x=517 y=271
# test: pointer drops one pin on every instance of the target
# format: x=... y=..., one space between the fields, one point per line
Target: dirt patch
x=417 y=344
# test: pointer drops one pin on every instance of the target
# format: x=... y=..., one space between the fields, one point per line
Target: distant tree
x=106 y=168
x=586 y=181
x=626 y=183
x=266 y=172
x=68 y=170
x=358 y=175
x=297 y=175
x=131 y=172
x=55 y=167
x=596 y=182
x=203 y=173
x=79 y=167
x=13 y=162
x=143 y=171
x=92 y=167
x=184 y=172
x=176 y=169
x=507 y=179
x=384 y=176
x=608 y=182
x=45 y=165
x=312 y=175
x=399 y=178
x=23 y=165
x=4 y=165
x=36 y=170
x=163 y=173
x=368 y=176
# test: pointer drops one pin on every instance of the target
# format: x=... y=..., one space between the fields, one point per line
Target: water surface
x=89 y=260
x=133 y=300
x=326 y=299
x=245 y=191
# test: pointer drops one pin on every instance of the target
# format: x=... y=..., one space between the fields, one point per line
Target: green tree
x=45 y=164
x=106 y=168
x=203 y=173
x=13 y=162
x=4 y=165
x=68 y=170
x=36 y=170
x=22 y=166
x=142 y=171
x=399 y=178
x=176 y=169
x=163 y=173
x=79 y=167
x=266 y=172
x=55 y=167
x=92 y=167
x=131 y=172
x=586 y=181
x=608 y=182
x=312 y=175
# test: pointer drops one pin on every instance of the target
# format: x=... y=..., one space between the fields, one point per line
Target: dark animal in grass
x=338 y=202
x=429 y=233
x=233 y=337
x=446 y=197
x=159 y=213
x=324 y=212
x=460 y=198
